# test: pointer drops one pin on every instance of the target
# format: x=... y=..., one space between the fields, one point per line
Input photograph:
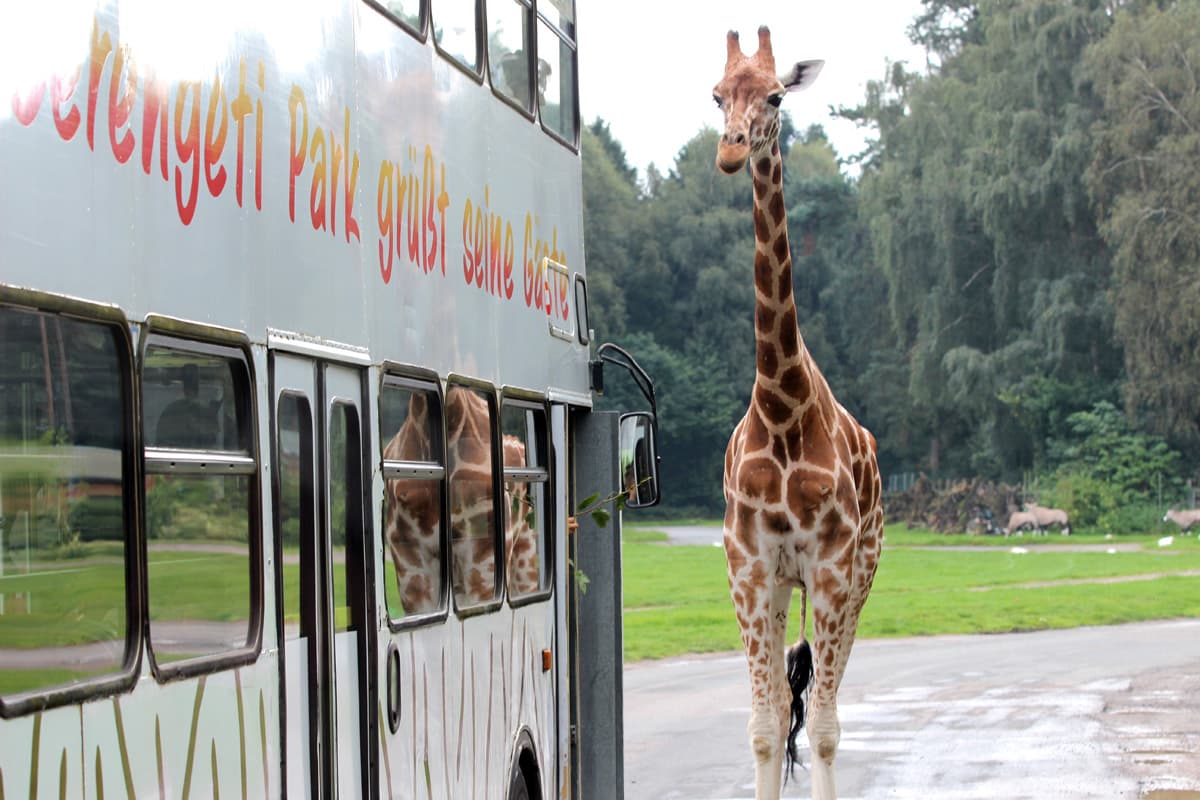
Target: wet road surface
x=1106 y=712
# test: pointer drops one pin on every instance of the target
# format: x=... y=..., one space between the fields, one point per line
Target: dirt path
x=1149 y=576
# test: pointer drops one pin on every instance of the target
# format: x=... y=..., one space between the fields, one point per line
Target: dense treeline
x=1010 y=288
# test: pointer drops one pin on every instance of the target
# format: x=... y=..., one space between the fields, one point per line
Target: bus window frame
x=125 y=678
x=513 y=397
x=200 y=339
x=476 y=73
x=416 y=379
x=530 y=112
x=489 y=392
x=573 y=42
x=420 y=33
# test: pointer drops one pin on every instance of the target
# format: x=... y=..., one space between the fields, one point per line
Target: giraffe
x=413 y=508
x=802 y=486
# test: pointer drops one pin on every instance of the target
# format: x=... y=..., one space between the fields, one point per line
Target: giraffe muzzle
x=732 y=157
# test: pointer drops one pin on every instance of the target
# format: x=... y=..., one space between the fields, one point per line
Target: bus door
x=319 y=431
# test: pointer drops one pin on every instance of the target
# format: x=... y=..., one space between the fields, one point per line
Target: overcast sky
x=648 y=66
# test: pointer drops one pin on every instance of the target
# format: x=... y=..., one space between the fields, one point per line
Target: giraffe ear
x=801 y=75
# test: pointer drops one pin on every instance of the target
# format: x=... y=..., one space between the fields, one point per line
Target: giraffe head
x=750 y=94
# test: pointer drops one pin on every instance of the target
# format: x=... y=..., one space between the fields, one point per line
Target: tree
x=1145 y=181
x=981 y=223
x=616 y=152
x=1110 y=475
x=610 y=203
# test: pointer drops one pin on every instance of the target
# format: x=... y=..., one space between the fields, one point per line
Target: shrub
x=98 y=518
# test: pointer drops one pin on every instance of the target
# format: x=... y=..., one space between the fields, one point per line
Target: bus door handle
x=393 y=687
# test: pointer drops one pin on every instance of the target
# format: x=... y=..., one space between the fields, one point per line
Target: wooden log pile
x=975 y=506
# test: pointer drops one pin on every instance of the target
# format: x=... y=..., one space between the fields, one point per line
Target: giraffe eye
x=775 y=99
x=717 y=99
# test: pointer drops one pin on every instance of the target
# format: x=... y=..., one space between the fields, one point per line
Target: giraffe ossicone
x=802 y=486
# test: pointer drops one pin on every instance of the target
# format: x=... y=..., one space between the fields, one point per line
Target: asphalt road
x=1111 y=712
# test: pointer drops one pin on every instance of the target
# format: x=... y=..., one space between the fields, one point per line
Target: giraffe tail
x=799 y=673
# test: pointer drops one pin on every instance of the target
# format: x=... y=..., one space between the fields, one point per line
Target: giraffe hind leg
x=835 y=623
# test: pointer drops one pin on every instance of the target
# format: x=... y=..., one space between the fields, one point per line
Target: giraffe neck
x=781 y=355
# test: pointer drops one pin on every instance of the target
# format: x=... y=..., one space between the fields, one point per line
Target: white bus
x=296 y=392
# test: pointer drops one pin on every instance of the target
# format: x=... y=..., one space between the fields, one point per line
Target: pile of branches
x=968 y=506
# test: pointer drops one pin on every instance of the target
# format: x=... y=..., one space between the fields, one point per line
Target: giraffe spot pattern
x=775 y=408
x=788 y=340
x=778 y=449
x=735 y=560
x=761 y=229
x=756 y=435
x=781 y=253
x=768 y=361
x=764 y=319
x=760 y=190
x=793 y=380
x=775 y=210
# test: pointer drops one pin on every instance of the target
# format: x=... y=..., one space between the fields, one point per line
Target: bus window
x=406 y=12
x=410 y=435
x=471 y=466
x=64 y=540
x=345 y=515
x=509 y=52
x=201 y=488
x=526 y=483
x=456 y=31
x=557 y=101
x=295 y=475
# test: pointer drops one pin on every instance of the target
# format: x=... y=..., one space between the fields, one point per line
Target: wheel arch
x=525 y=766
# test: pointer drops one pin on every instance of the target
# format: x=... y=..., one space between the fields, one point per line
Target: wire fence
x=900 y=482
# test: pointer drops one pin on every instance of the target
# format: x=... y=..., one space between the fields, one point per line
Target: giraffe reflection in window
x=472 y=497
x=412 y=508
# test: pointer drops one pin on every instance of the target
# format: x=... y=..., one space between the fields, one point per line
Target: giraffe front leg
x=762 y=618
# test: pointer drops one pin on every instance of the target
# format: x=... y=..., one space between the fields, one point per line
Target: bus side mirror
x=639 y=459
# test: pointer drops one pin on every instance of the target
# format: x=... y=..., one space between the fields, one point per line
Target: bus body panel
x=393 y=199
x=463 y=700
x=305 y=178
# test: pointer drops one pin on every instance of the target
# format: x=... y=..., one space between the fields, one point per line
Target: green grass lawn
x=677 y=598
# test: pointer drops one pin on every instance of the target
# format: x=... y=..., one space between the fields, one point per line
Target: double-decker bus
x=296 y=406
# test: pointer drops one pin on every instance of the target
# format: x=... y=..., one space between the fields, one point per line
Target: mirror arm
x=613 y=354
